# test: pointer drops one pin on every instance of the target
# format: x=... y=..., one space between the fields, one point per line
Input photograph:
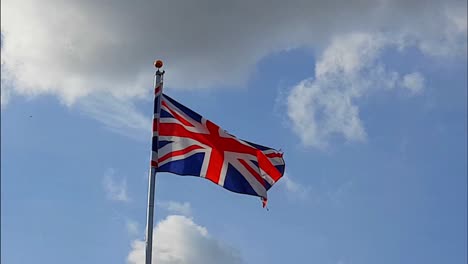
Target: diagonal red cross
x=219 y=145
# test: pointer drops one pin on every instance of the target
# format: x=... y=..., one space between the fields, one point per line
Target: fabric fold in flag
x=188 y=144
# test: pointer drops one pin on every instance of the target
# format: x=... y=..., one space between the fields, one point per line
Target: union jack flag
x=185 y=143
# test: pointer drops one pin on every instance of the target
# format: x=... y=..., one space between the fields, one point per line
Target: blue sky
x=372 y=121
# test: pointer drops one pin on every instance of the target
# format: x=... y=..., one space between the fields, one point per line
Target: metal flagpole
x=158 y=85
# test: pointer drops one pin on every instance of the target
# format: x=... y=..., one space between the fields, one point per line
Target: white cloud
x=177 y=207
x=414 y=82
x=115 y=190
x=338 y=194
x=323 y=192
x=295 y=189
x=119 y=115
x=349 y=55
x=178 y=240
x=133 y=228
x=317 y=112
x=77 y=50
x=325 y=106
x=5 y=96
x=450 y=37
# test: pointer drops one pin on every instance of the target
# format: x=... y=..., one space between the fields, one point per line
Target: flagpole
x=158 y=85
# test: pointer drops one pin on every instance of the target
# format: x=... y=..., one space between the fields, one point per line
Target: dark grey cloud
x=73 y=48
x=83 y=50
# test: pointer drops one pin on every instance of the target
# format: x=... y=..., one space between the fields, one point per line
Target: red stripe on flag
x=177 y=116
x=274 y=155
x=157 y=90
x=265 y=164
x=215 y=165
x=253 y=172
x=155 y=125
x=179 y=152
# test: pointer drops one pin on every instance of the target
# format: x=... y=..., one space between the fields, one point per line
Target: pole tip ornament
x=158 y=64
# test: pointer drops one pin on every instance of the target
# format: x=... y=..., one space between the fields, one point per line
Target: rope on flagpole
x=158 y=86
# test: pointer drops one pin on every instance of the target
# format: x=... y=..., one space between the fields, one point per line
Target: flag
x=185 y=143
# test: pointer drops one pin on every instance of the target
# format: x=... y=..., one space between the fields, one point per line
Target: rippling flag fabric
x=185 y=143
